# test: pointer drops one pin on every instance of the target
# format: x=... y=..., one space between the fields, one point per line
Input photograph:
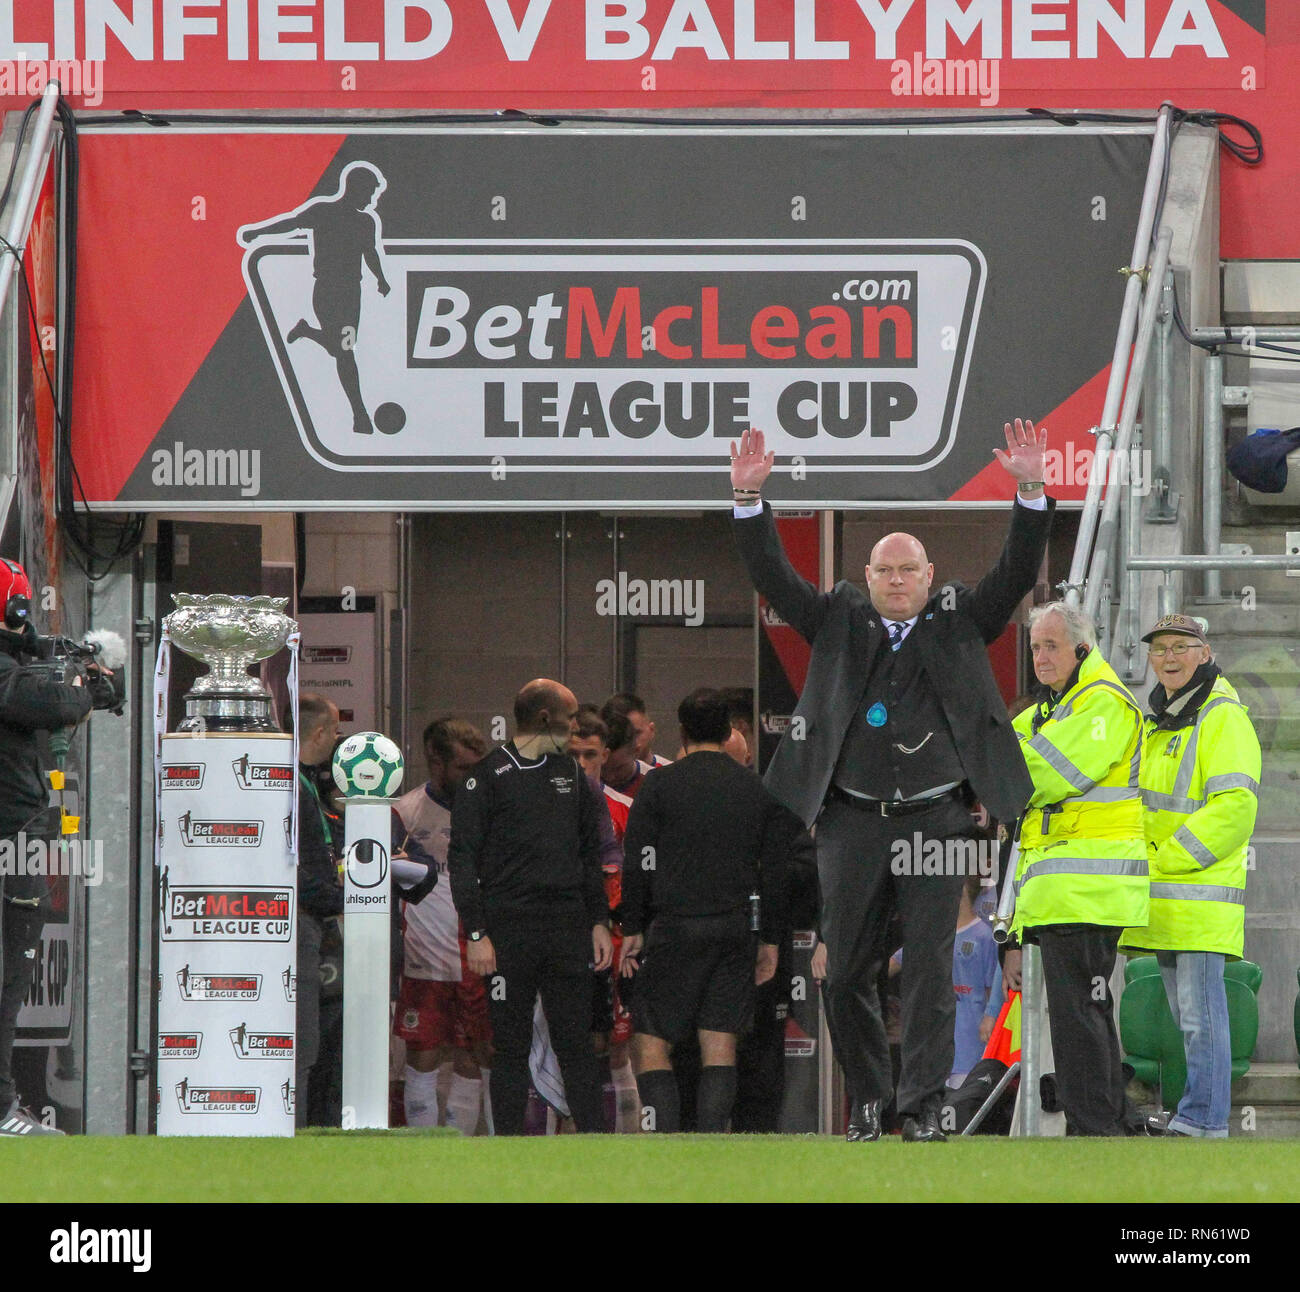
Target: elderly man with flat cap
x=899 y=724
x=1200 y=793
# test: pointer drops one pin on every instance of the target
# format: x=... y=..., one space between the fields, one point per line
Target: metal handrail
x=23 y=211
x=1137 y=272
x=1101 y=555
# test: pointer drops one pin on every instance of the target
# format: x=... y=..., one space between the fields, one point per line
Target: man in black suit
x=900 y=723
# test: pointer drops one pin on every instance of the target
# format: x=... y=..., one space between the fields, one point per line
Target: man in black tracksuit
x=705 y=858
x=524 y=864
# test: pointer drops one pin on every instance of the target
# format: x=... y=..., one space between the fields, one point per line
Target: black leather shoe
x=864 y=1124
x=924 y=1128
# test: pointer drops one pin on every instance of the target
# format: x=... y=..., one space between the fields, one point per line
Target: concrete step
x=1266 y=1103
x=1268 y=1083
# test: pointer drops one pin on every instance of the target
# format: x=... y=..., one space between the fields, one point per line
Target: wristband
x=1028 y=486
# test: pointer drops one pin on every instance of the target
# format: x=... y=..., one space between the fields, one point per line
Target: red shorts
x=434 y=1014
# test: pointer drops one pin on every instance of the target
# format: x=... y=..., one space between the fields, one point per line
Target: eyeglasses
x=1159 y=652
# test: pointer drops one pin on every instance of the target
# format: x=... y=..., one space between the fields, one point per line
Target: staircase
x=1256 y=640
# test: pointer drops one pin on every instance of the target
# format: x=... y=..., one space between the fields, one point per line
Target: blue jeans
x=1199 y=1003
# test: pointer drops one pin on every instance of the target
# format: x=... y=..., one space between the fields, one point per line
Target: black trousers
x=760 y=1060
x=306 y=1046
x=858 y=854
x=1078 y=960
x=555 y=961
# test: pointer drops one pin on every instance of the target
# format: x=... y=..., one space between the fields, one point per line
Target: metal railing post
x=1101 y=555
x=1212 y=481
x=1031 y=1070
x=1137 y=272
x=19 y=223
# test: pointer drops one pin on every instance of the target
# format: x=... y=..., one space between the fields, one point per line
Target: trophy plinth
x=229 y=634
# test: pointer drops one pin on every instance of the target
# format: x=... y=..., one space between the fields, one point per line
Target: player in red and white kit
x=612 y=1029
x=442 y=1010
x=632 y=707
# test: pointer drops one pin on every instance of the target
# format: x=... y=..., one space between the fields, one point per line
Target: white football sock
x=485 y=1075
x=629 y=1102
x=464 y=1099
x=421 y=1098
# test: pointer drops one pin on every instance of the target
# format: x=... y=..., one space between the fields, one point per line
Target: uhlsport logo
x=262 y=776
x=179 y=1045
x=196 y=833
x=217 y=986
x=366 y=864
x=199 y=914
x=182 y=776
x=455 y=350
x=260 y=1045
x=289 y=978
x=217 y=1099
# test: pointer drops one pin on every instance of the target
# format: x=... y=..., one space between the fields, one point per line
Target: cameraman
x=30 y=702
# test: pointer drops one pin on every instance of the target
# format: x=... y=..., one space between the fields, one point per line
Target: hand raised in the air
x=751 y=464
x=1024 y=456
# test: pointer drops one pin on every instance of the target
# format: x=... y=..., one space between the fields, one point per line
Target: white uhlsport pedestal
x=367 y=907
x=227 y=950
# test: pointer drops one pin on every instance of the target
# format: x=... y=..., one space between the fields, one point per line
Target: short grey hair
x=1082 y=631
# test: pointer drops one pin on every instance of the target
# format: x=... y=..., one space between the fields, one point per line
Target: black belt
x=896 y=807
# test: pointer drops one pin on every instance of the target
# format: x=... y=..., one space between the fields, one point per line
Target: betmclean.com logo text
x=627 y=350
x=219 y=834
x=262 y=776
x=734 y=321
x=179 y=1045
x=217 y=1099
x=261 y=1045
x=227 y=914
x=182 y=776
x=218 y=986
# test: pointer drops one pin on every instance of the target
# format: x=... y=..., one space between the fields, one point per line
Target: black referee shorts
x=697 y=973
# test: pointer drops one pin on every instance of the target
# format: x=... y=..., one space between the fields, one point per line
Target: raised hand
x=752 y=464
x=1024 y=456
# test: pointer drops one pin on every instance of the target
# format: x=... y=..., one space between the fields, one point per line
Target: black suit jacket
x=846 y=635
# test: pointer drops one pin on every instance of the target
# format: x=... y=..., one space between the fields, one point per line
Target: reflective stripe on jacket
x=1200 y=795
x=1083 y=859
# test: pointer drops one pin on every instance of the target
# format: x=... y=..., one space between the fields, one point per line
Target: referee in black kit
x=525 y=876
x=704 y=865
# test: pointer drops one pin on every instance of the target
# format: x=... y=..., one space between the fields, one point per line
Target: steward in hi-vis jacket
x=1200 y=794
x=1082 y=876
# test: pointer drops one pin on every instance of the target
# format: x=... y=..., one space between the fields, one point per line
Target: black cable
x=18 y=148
x=512 y=116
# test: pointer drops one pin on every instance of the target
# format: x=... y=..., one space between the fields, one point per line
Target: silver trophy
x=229 y=634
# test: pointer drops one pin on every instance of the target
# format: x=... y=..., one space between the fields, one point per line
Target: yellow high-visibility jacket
x=1200 y=794
x=1083 y=859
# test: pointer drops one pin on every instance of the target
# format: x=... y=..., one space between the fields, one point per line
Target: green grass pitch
x=433 y=1167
